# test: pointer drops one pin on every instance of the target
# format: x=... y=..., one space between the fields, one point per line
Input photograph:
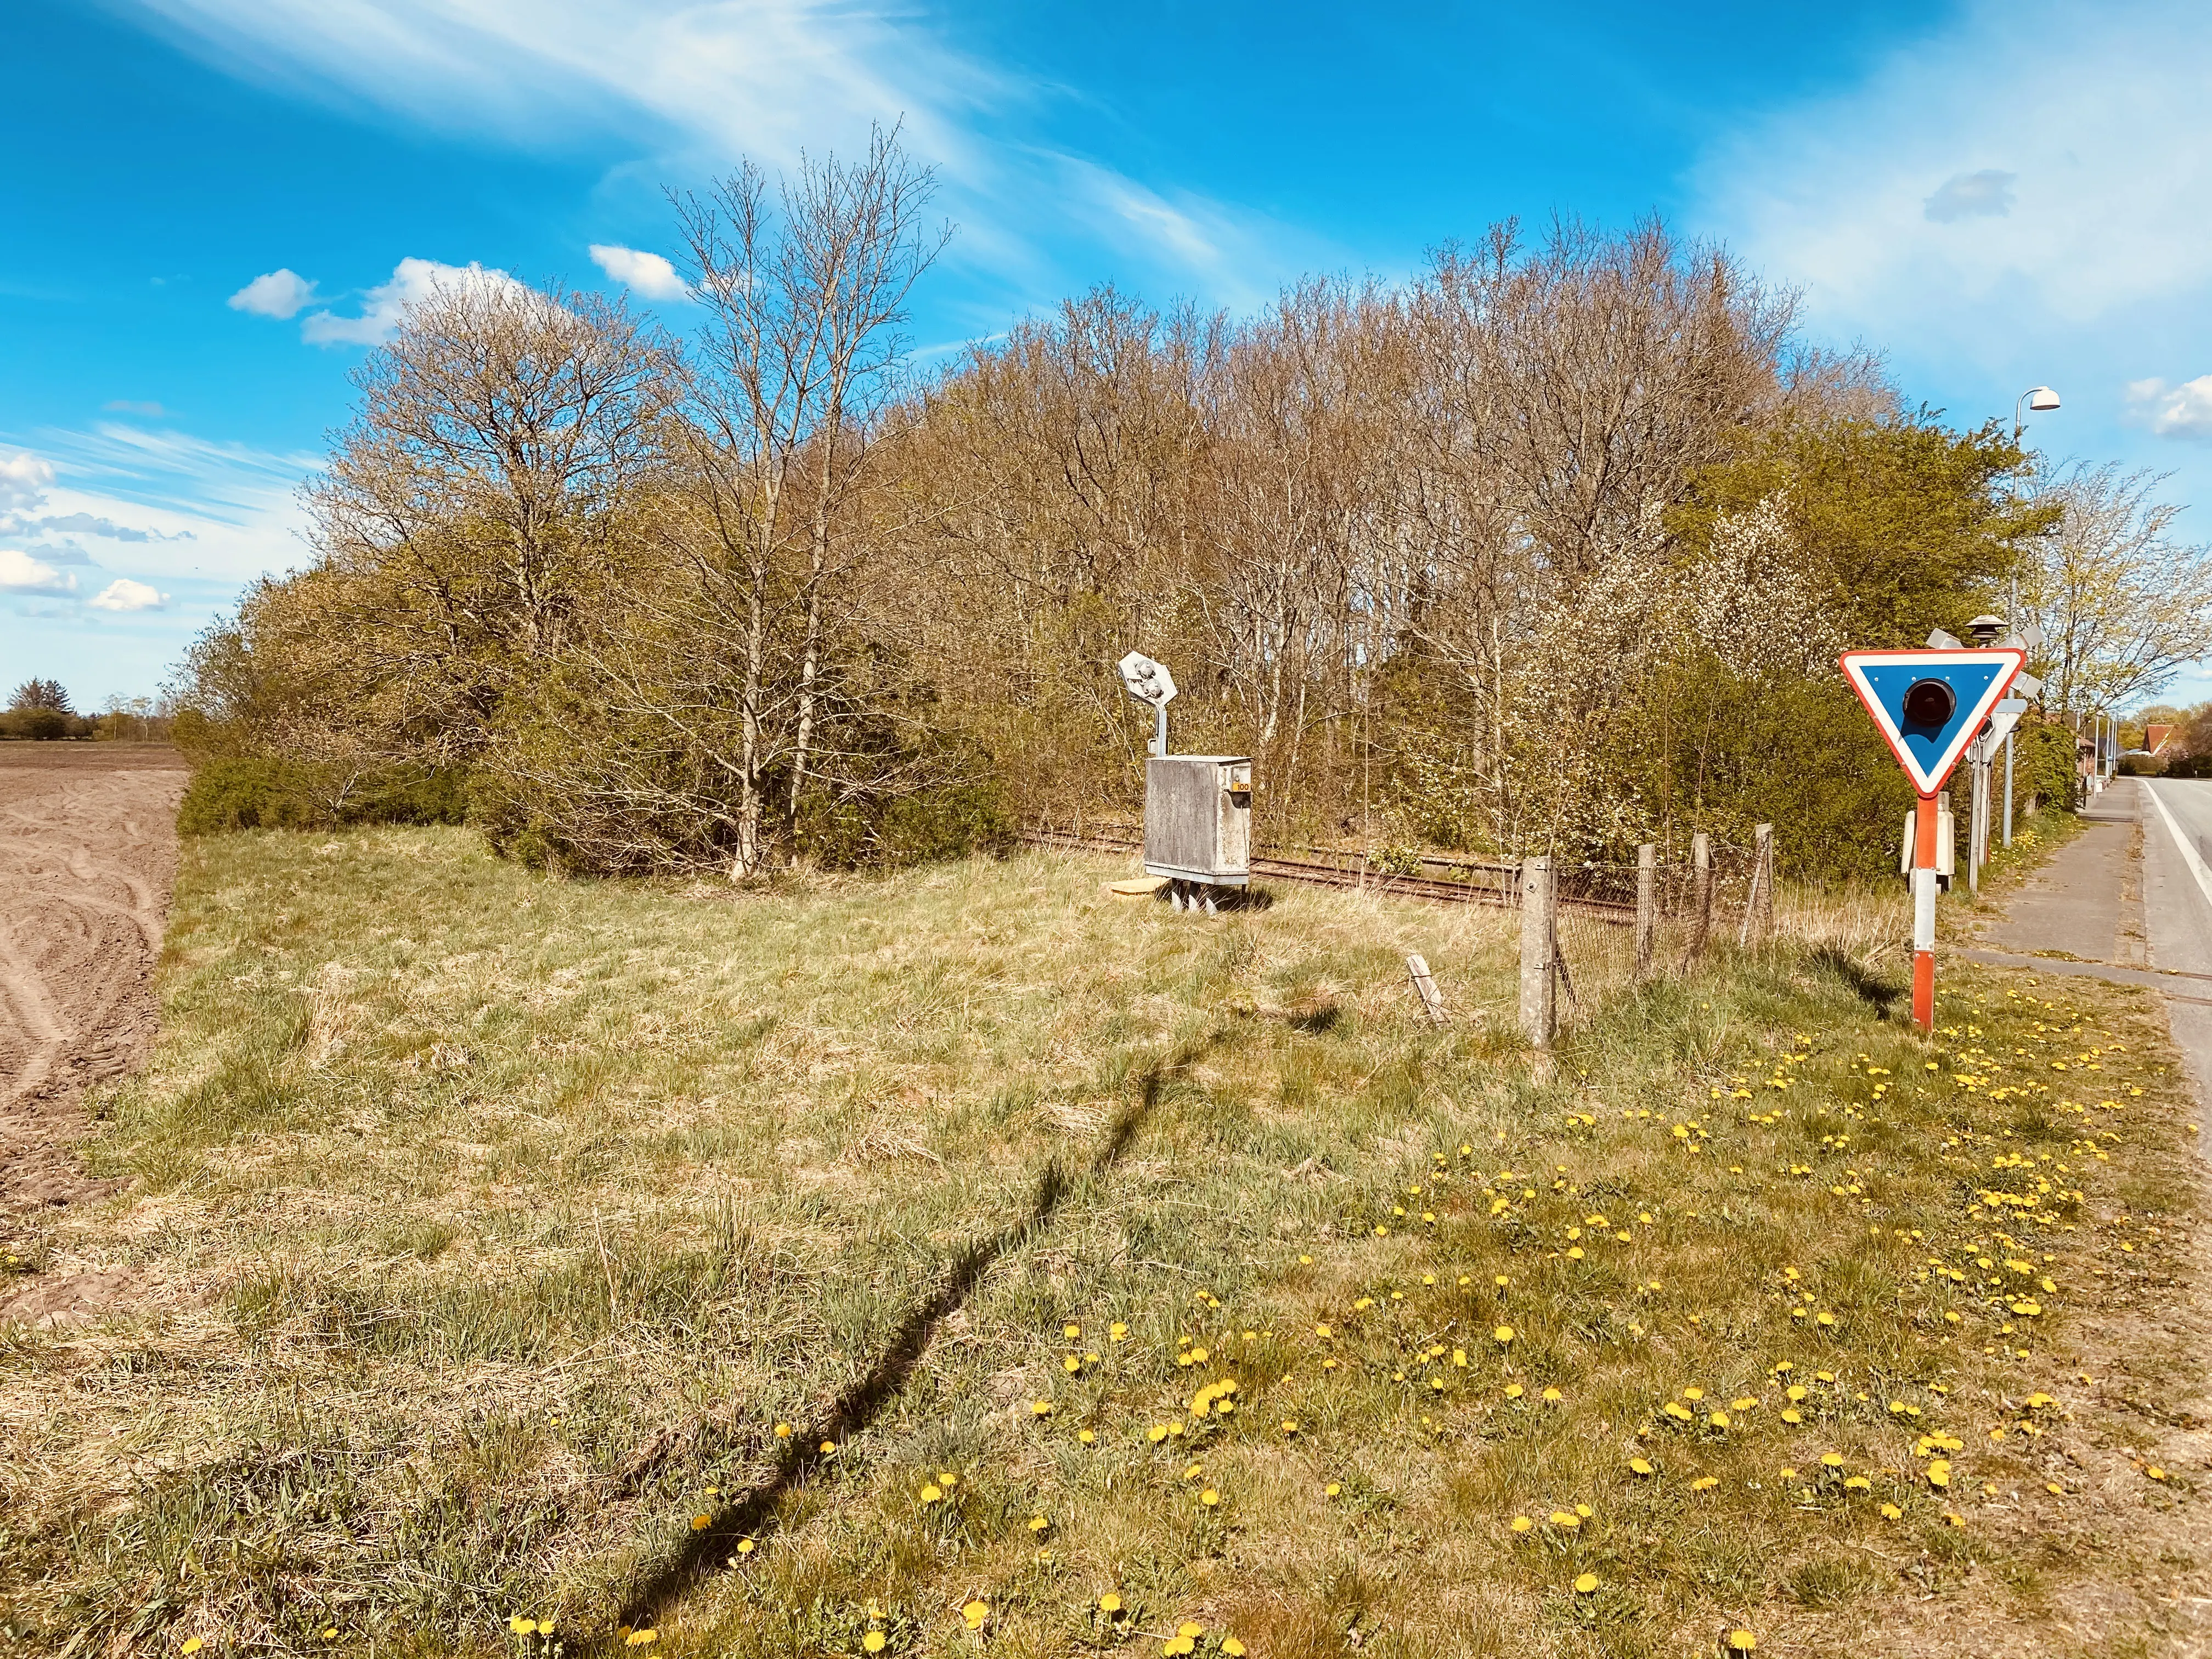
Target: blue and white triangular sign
x=1930 y=704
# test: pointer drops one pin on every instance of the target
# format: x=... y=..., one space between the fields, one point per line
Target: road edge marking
x=2189 y=854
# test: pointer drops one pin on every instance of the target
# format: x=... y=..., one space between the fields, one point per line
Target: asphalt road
x=2177 y=905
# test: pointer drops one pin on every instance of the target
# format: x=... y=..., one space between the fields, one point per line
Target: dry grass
x=490 y=1227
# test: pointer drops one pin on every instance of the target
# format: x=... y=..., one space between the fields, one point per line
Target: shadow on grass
x=746 y=1512
x=1877 y=993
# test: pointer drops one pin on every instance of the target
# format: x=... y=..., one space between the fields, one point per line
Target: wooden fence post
x=1759 y=895
x=1424 y=985
x=1540 y=950
x=1647 y=906
x=1701 y=897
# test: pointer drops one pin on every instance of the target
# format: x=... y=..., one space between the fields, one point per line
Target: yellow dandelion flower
x=976 y=1613
x=1503 y=1334
x=1109 y=1604
x=873 y=1641
x=1587 y=1585
x=1232 y=1647
x=1522 y=1523
x=191 y=1645
x=1639 y=1466
x=1209 y=1497
x=1741 y=1641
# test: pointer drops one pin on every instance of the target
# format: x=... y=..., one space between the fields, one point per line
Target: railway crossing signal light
x=1150 y=682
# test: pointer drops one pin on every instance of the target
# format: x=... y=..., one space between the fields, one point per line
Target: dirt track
x=87 y=852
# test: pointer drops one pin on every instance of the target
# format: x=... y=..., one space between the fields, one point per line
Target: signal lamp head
x=1146 y=680
x=1930 y=704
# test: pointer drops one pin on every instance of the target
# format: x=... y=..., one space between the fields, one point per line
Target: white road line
x=2189 y=854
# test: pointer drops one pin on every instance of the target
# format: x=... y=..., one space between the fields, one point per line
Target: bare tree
x=806 y=294
x=501 y=442
x=2121 y=604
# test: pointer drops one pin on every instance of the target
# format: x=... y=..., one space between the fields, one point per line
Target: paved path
x=2130 y=899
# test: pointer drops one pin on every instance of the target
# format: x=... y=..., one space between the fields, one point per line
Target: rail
x=1364 y=876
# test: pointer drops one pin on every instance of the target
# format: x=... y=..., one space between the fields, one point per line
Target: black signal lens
x=1930 y=704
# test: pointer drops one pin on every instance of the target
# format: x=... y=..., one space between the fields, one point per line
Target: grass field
x=968 y=1260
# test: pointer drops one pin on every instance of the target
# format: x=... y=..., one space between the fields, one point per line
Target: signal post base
x=1923 y=913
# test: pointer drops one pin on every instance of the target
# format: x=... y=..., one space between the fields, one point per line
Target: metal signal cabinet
x=1198 y=819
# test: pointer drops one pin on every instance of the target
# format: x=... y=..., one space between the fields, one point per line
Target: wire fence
x=1615 y=925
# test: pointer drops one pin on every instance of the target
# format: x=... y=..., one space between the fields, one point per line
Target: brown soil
x=88 y=848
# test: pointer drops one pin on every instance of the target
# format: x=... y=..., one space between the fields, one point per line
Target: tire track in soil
x=87 y=856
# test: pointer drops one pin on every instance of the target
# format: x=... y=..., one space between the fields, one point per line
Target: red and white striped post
x=1924 y=821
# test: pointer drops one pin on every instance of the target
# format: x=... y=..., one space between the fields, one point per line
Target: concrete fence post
x=1539 y=948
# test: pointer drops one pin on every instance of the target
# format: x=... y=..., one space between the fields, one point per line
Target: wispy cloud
x=696 y=84
x=192 y=507
x=2060 y=155
x=152 y=411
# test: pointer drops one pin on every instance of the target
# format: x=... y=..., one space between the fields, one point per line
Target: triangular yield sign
x=1927 y=729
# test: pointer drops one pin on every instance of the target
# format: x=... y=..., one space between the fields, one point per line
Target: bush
x=261 y=791
x=43 y=725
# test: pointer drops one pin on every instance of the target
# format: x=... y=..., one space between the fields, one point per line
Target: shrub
x=262 y=792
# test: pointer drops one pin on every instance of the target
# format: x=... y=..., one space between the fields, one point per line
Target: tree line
x=1549 y=546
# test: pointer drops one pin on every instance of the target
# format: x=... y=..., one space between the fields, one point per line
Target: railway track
x=1366 y=879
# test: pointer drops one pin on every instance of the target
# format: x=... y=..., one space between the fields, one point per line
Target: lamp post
x=2042 y=399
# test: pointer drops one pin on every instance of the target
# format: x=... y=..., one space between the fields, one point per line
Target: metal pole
x=1160 y=729
x=2012 y=608
x=1976 y=778
x=1923 y=914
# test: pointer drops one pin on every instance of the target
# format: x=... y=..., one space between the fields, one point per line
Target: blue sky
x=1994 y=195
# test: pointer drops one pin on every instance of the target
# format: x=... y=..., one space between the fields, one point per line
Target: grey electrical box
x=1198 y=819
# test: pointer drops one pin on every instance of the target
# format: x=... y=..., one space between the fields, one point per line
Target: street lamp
x=2041 y=399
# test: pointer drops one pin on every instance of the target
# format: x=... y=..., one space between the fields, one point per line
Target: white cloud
x=1971 y=196
x=152 y=411
x=384 y=306
x=124 y=594
x=21 y=574
x=23 y=481
x=2057 y=159
x=280 y=294
x=2174 y=411
x=645 y=274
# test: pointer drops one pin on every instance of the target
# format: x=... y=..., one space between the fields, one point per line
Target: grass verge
x=966 y=1257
